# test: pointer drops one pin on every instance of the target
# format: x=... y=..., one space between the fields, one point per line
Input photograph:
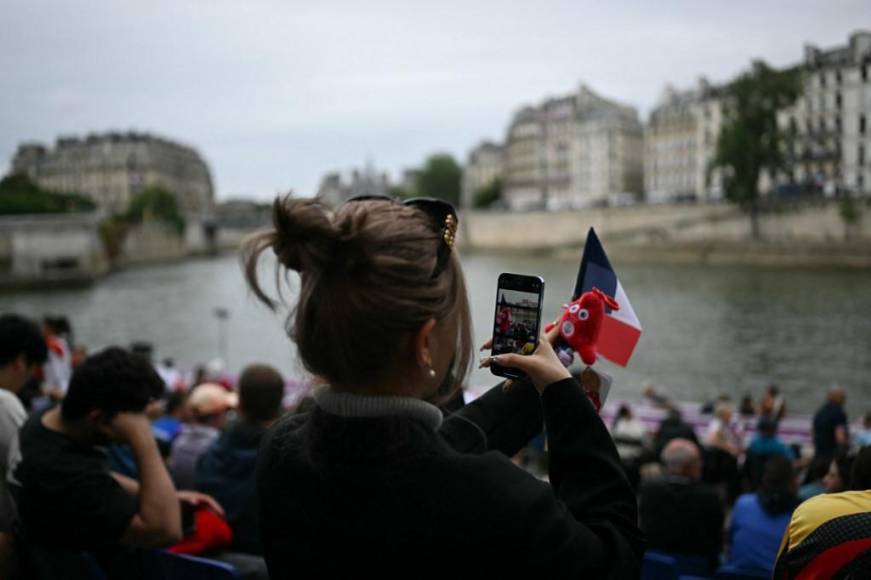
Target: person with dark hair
x=829 y=536
x=837 y=478
x=169 y=425
x=227 y=468
x=830 y=429
x=673 y=427
x=375 y=480
x=813 y=478
x=766 y=442
x=759 y=519
x=68 y=499
x=22 y=351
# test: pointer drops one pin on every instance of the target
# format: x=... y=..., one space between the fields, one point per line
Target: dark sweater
x=390 y=496
x=682 y=516
x=226 y=472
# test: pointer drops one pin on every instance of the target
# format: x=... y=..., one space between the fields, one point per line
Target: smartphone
x=517 y=320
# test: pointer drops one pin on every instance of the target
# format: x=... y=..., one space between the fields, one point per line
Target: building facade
x=572 y=151
x=112 y=168
x=680 y=143
x=830 y=145
x=337 y=188
x=484 y=166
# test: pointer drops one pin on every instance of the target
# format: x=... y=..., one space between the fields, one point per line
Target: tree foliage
x=488 y=195
x=19 y=195
x=155 y=203
x=440 y=178
x=750 y=141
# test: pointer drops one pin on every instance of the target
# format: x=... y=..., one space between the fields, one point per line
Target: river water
x=707 y=330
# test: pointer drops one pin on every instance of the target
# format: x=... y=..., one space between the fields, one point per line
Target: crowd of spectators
x=106 y=460
x=733 y=495
x=110 y=457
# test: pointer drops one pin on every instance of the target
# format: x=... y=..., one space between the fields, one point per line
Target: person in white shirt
x=22 y=350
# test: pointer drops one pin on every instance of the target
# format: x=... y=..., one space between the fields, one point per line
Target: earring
x=431 y=372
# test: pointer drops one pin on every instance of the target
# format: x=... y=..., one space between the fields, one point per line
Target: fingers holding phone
x=543 y=367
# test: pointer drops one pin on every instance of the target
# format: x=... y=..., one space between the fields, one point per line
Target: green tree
x=750 y=141
x=19 y=195
x=488 y=195
x=155 y=203
x=397 y=192
x=440 y=177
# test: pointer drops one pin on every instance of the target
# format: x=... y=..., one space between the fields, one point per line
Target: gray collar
x=349 y=405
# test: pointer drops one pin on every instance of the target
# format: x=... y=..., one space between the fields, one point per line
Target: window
x=838 y=124
x=861 y=160
x=838 y=100
x=823 y=79
x=838 y=77
x=865 y=73
x=862 y=124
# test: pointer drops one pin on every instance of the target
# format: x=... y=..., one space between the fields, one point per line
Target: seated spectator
x=631 y=440
x=208 y=405
x=679 y=514
x=829 y=536
x=167 y=427
x=722 y=432
x=837 y=478
x=813 y=479
x=767 y=443
x=759 y=519
x=22 y=350
x=629 y=434
x=68 y=499
x=673 y=427
x=226 y=470
x=59 y=365
x=863 y=438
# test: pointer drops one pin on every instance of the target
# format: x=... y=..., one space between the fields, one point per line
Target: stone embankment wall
x=151 y=242
x=50 y=249
x=796 y=235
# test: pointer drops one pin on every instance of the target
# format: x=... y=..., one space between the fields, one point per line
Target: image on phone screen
x=516 y=322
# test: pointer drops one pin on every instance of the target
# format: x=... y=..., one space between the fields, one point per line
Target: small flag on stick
x=620 y=328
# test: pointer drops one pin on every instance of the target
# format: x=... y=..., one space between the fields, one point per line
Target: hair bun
x=304 y=236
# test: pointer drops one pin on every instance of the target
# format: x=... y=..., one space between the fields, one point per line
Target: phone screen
x=517 y=318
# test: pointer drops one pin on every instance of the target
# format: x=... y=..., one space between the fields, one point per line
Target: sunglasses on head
x=443 y=217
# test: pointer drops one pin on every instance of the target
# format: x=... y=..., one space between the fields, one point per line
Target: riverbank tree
x=155 y=203
x=488 y=195
x=19 y=195
x=750 y=141
x=441 y=178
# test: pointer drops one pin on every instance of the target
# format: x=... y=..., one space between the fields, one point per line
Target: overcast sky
x=275 y=93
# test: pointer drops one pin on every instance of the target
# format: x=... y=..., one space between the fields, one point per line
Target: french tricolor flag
x=620 y=328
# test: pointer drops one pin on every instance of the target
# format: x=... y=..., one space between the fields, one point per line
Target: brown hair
x=366 y=285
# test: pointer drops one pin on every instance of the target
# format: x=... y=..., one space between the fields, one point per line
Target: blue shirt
x=770 y=446
x=755 y=535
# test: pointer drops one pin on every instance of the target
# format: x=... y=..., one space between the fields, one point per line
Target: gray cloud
x=273 y=94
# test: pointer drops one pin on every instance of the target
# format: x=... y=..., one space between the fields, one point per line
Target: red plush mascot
x=581 y=322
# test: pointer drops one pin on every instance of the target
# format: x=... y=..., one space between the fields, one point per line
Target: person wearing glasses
x=375 y=479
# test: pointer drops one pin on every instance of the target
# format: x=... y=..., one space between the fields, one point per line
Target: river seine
x=707 y=330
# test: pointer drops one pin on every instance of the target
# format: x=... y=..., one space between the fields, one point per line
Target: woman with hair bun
x=375 y=479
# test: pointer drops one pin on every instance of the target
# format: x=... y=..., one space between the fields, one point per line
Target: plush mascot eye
x=583 y=314
x=568 y=329
x=574 y=308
